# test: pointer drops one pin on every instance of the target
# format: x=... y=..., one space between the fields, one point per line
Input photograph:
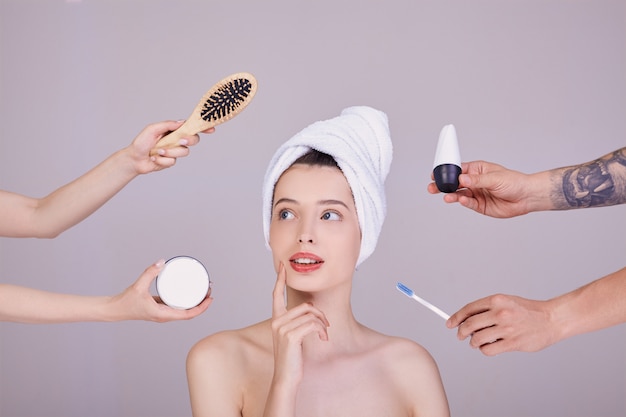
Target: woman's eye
x=331 y=215
x=285 y=215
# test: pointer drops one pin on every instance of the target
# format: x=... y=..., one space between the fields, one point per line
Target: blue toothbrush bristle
x=403 y=288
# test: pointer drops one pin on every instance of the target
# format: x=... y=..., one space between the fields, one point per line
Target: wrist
x=108 y=310
x=130 y=161
x=540 y=192
x=561 y=320
x=281 y=399
x=285 y=386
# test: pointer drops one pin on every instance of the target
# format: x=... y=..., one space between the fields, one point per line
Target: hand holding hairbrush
x=222 y=102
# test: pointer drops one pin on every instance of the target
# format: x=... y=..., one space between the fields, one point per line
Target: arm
x=495 y=191
x=503 y=323
x=289 y=328
x=215 y=378
x=47 y=217
x=218 y=367
x=419 y=381
x=26 y=305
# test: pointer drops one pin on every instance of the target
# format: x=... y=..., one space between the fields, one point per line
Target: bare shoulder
x=400 y=356
x=412 y=370
x=412 y=349
x=410 y=356
x=218 y=366
x=230 y=347
x=402 y=352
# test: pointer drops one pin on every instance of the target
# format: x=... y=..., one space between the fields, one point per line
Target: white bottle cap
x=447 y=148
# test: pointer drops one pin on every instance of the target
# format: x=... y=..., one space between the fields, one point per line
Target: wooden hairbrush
x=222 y=102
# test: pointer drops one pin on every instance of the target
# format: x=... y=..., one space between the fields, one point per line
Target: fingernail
x=160 y=263
x=184 y=142
x=161 y=152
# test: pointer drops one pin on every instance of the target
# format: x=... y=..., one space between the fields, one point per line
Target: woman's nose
x=305 y=238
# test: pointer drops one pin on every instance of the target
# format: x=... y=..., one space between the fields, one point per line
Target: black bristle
x=226 y=99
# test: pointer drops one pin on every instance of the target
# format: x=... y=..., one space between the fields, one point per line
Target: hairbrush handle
x=172 y=139
x=222 y=102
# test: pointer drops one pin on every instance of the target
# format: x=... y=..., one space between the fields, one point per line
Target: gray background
x=529 y=84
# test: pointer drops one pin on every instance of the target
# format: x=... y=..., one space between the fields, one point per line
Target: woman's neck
x=344 y=331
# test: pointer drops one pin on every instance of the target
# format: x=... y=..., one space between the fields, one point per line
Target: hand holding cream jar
x=183 y=283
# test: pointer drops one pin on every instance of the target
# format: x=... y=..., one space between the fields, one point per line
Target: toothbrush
x=409 y=293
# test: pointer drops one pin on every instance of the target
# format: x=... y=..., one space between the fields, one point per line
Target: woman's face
x=314 y=229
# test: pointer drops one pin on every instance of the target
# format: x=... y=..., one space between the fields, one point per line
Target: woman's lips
x=305 y=262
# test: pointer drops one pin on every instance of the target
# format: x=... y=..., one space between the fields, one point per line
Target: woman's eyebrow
x=328 y=202
x=332 y=202
x=285 y=200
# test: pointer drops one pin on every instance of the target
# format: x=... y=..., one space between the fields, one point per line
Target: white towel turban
x=359 y=141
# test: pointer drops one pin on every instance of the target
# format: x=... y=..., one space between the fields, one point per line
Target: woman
x=324 y=205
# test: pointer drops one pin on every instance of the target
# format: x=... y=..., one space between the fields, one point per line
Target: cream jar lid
x=183 y=282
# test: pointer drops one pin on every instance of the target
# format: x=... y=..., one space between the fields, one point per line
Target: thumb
x=477 y=181
x=150 y=274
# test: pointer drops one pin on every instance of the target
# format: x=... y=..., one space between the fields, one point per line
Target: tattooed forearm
x=593 y=184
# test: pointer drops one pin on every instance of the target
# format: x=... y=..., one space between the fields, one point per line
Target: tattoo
x=597 y=183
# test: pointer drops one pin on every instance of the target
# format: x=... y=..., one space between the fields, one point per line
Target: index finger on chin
x=279 y=305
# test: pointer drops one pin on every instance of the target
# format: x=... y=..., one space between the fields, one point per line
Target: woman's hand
x=289 y=328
